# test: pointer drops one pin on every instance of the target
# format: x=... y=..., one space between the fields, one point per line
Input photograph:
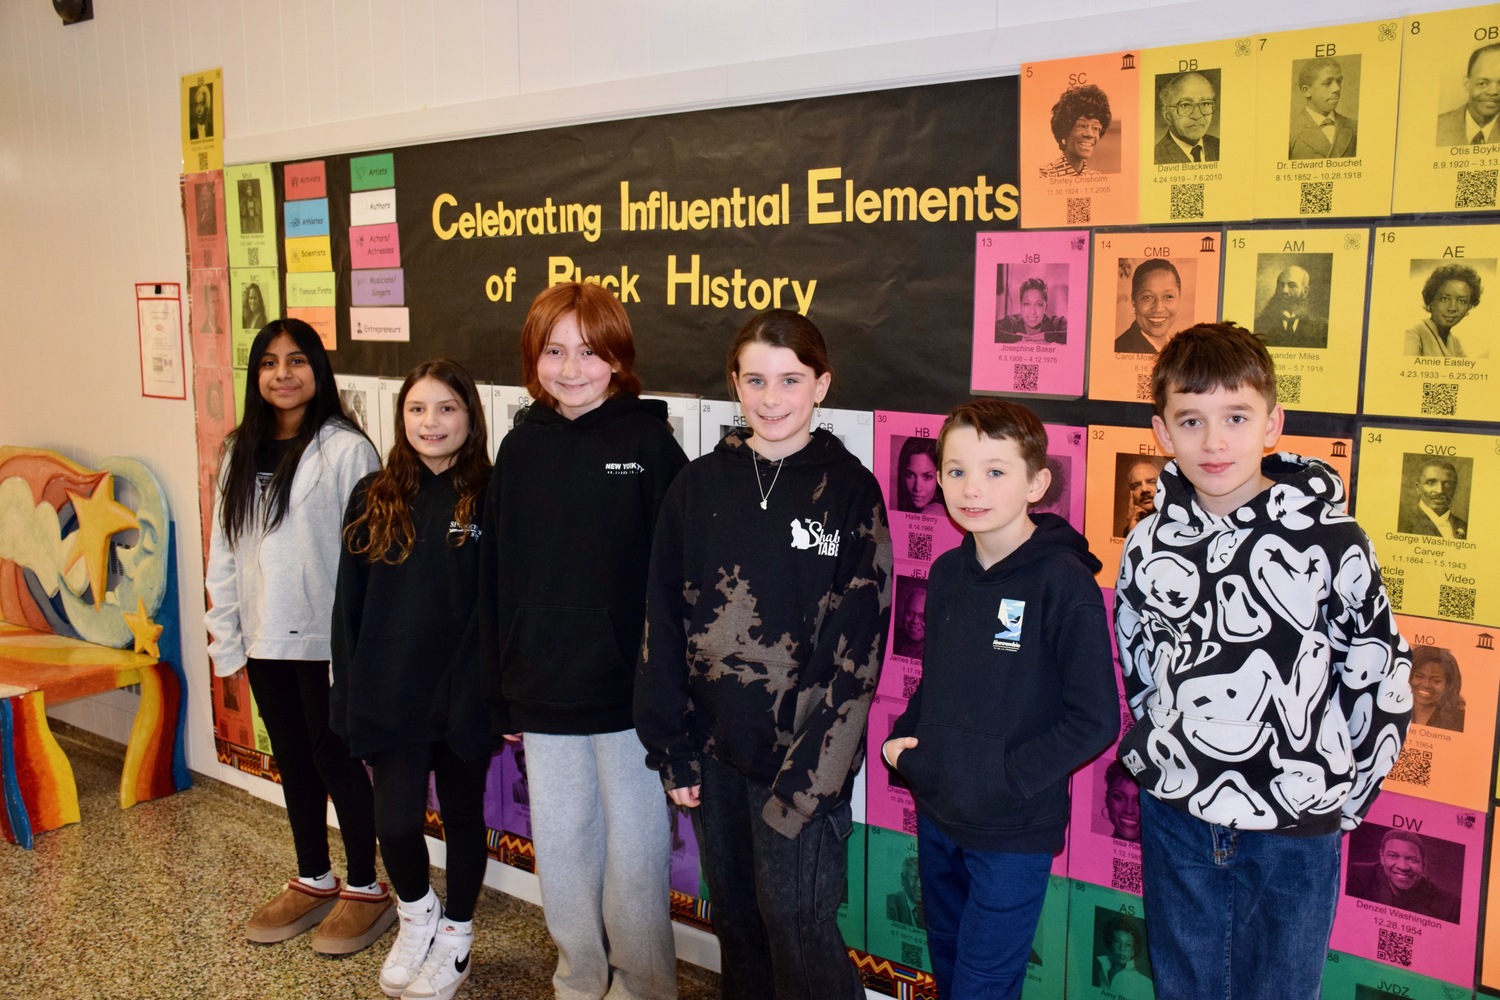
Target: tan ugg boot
x=290 y=912
x=355 y=921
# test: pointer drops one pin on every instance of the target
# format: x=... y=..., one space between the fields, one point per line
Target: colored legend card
x=372 y=208
x=380 y=324
x=903 y=649
x=1417 y=493
x=851 y=918
x=1123 y=465
x=1046 y=966
x=1302 y=292
x=380 y=287
x=1447 y=157
x=906 y=466
x=323 y=319
x=1198 y=141
x=367 y=173
x=1346 y=975
x=311 y=288
x=203 y=211
x=1430 y=351
x=360 y=396
x=202 y=121
x=1080 y=136
x=305 y=180
x=1147 y=286
x=1030 y=313
x=308 y=217
x=1455 y=676
x=209 y=317
x=1409 y=889
x=250 y=215
x=374 y=246
x=1326 y=121
x=255 y=298
x=888 y=802
x=896 y=925
x=1107 y=945
x=686 y=420
x=309 y=253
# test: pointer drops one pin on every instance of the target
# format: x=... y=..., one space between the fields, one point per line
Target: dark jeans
x=1235 y=913
x=775 y=901
x=292 y=696
x=401 y=812
x=982 y=909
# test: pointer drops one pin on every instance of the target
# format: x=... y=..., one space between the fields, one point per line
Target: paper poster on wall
x=506 y=404
x=387 y=392
x=1123 y=466
x=1489 y=969
x=1198 y=138
x=323 y=320
x=374 y=246
x=393 y=324
x=1430 y=352
x=377 y=287
x=360 y=396
x=1066 y=460
x=1409 y=889
x=1030 y=313
x=158 y=319
x=852 y=914
x=888 y=801
x=305 y=180
x=1302 y=292
x=1107 y=945
x=202 y=121
x=1105 y=835
x=896 y=924
x=250 y=215
x=683 y=872
x=213 y=407
x=906 y=466
x=908 y=635
x=1446 y=160
x=1147 y=287
x=305 y=217
x=686 y=420
x=1450 y=746
x=372 y=208
x=1046 y=966
x=1418 y=491
x=1080 y=132
x=241 y=381
x=1346 y=975
x=203 y=216
x=368 y=173
x=855 y=429
x=1326 y=120
x=254 y=300
x=309 y=253
x=208 y=317
x=311 y=289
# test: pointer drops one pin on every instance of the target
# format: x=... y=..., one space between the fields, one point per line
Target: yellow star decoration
x=100 y=518
x=145 y=630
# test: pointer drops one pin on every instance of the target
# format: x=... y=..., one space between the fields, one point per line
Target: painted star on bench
x=100 y=518
x=145 y=630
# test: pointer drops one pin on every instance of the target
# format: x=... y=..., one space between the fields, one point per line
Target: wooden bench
x=78 y=547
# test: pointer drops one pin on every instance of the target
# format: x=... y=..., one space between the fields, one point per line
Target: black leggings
x=292 y=696
x=400 y=813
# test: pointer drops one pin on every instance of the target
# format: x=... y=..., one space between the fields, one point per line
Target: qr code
x=252 y=256
x=1394 y=948
x=1455 y=602
x=1317 y=198
x=909 y=685
x=1143 y=386
x=1439 y=399
x=1126 y=876
x=1413 y=766
x=911 y=953
x=1079 y=212
x=909 y=821
x=1476 y=189
x=1025 y=378
x=919 y=546
x=202 y=162
x=1395 y=590
x=1289 y=388
x=241 y=355
x=1187 y=201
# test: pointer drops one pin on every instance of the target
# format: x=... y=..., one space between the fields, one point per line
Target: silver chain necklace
x=765 y=495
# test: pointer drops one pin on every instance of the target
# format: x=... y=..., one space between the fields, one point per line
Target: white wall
x=90 y=150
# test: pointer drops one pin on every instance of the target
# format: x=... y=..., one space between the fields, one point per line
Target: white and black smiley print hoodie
x=1260 y=656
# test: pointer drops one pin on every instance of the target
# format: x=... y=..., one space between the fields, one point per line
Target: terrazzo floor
x=150 y=902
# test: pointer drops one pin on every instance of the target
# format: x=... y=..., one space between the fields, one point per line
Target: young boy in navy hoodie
x=1017 y=692
x=1266 y=675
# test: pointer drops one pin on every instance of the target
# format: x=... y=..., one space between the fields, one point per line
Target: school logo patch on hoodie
x=808 y=534
x=1012 y=613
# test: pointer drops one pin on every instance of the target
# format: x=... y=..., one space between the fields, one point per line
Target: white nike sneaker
x=419 y=924
x=446 y=968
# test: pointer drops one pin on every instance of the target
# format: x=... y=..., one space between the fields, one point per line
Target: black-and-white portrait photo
x=1187 y=129
x=1080 y=121
x=1292 y=295
x=1029 y=302
x=201 y=111
x=1325 y=108
x=1120 y=964
x=205 y=210
x=1473 y=122
x=1450 y=291
x=1434 y=495
x=1135 y=489
x=252 y=217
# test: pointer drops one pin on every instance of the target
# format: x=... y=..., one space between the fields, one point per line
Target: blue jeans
x=1235 y=913
x=982 y=908
x=775 y=901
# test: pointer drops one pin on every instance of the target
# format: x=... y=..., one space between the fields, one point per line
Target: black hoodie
x=568 y=523
x=1008 y=709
